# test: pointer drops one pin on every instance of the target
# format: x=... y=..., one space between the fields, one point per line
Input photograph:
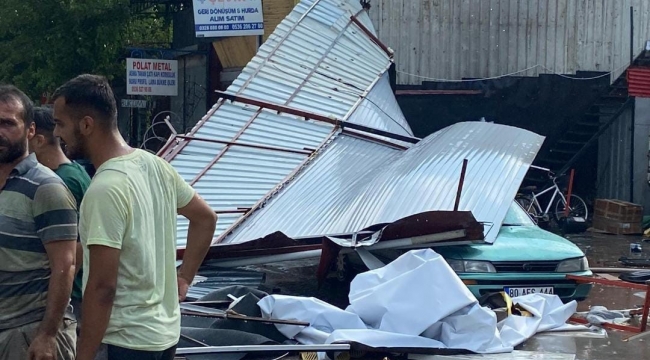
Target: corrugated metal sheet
x=355 y=183
x=638 y=80
x=614 y=151
x=380 y=110
x=316 y=60
x=454 y=39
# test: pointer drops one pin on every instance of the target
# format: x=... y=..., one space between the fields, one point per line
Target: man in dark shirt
x=38 y=231
x=47 y=148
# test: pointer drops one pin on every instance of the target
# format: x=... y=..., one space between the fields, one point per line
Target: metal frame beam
x=313 y=116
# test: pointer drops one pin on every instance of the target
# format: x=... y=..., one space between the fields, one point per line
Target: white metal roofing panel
x=355 y=183
x=380 y=110
x=317 y=60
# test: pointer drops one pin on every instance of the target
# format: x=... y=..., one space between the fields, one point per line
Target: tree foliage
x=45 y=43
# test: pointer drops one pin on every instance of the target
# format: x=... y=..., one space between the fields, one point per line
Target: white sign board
x=151 y=77
x=133 y=103
x=217 y=18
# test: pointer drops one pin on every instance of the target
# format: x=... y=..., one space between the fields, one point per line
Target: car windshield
x=516 y=216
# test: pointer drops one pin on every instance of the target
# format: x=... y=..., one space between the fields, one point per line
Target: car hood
x=517 y=243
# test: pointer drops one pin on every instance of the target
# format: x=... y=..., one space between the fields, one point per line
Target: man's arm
x=203 y=221
x=98 y=298
x=55 y=219
x=61 y=255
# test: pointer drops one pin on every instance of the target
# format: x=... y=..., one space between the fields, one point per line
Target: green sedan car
x=524 y=259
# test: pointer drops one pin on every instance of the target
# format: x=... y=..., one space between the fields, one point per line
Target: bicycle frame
x=537 y=204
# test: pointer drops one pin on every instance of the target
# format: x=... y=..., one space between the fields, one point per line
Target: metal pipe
x=194 y=341
x=568 y=196
x=632 y=115
x=262 y=348
x=419 y=241
x=259 y=260
x=539 y=168
x=313 y=116
x=255 y=146
x=646 y=307
x=460 y=184
x=372 y=36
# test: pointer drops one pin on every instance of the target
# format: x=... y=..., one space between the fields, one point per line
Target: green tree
x=45 y=43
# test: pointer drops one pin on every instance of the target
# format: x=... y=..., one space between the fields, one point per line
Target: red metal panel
x=638 y=79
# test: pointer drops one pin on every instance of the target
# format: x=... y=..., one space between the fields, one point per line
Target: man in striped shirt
x=38 y=233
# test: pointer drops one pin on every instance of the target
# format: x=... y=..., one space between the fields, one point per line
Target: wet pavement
x=298 y=278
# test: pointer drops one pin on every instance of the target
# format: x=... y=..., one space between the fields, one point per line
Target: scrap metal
x=308 y=147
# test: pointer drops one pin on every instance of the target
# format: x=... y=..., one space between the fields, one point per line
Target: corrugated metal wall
x=614 y=151
x=614 y=160
x=454 y=39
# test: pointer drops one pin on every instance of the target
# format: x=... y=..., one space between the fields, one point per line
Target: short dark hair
x=90 y=94
x=45 y=124
x=10 y=93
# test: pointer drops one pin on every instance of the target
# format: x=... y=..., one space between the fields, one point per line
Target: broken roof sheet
x=355 y=183
x=319 y=60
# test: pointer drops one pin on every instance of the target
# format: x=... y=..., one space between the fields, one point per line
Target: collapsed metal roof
x=309 y=142
x=356 y=183
x=323 y=59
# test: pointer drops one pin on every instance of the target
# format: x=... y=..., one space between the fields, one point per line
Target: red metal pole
x=646 y=308
x=568 y=197
x=460 y=185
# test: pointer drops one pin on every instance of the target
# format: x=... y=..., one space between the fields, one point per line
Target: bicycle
x=531 y=204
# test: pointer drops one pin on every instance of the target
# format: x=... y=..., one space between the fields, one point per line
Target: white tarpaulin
x=417 y=301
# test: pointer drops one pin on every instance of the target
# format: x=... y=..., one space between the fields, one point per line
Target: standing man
x=38 y=235
x=47 y=148
x=128 y=231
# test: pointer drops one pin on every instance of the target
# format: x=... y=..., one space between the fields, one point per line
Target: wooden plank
x=235 y=52
x=274 y=12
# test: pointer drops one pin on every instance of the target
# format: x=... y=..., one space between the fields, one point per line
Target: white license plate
x=521 y=291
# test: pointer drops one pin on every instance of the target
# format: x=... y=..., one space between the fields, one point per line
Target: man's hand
x=43 y=347
x=183 y=287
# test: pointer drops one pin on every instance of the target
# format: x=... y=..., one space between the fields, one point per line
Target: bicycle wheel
x=527 y=204
x=577 y=208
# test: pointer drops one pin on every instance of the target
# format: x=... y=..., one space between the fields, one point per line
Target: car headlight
x=573 y=265
x=470 y=266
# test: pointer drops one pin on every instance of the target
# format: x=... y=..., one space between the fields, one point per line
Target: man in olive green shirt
x=47 y=148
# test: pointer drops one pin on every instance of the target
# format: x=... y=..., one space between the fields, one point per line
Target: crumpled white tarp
x=416 y=301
